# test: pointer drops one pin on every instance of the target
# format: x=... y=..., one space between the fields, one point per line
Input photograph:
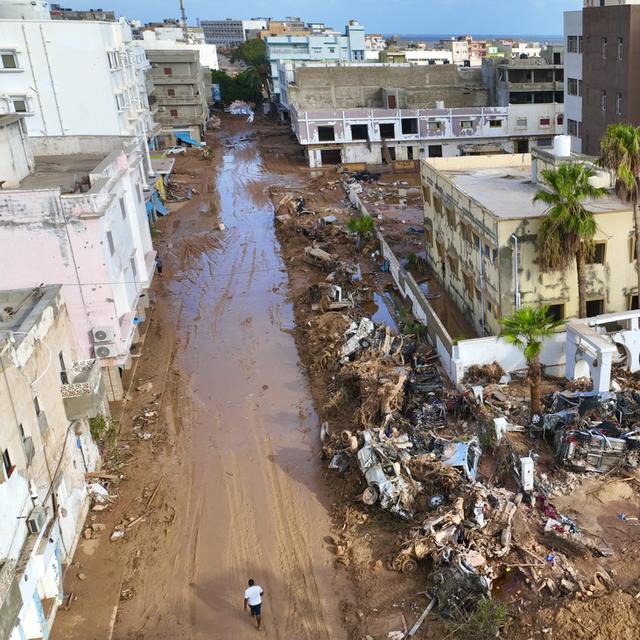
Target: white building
x=73 y=78
x=173 y=38
x=78 y=202
x=573 y=78
x=45 y=452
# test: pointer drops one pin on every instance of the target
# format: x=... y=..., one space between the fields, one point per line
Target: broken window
x=434 y=126
x=451 y=217
x=388 y=130
x=597 y=256
x=409 y=126
x=359 y=132
x=8 y=60
x=330 y=156
x=556 y=312
x=326 y=134
x=494 y=124
x=595 y=307
x=435 y=151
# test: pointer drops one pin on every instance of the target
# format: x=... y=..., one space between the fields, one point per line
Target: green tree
x=254 y=53
x=244 y=86
x=526 y=328
x=567 y=229
x=361 y=225
x=620 y=152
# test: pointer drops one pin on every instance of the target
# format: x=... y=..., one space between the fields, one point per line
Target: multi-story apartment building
x=173 y=38
x=573 y=80
x=329 y=47
x=181 y=93
x=73 y=77
x=58 y=12
x=46 y=398
x=481 y=225
x=611 y=46
x=375 y=112
x=78 y=201
x=230 y=33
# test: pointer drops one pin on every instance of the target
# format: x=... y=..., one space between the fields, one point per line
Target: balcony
x=81 y=389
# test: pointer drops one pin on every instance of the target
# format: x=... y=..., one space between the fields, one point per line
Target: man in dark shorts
x=253 y=597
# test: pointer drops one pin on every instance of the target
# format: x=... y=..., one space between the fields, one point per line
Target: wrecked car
x=463 y=456
x=319 y=258
x=381 y=464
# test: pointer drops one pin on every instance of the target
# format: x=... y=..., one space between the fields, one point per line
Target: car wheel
x=370 y=496
x=409 y=565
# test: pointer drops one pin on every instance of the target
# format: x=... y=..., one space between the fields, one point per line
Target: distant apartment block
x=480 y=234
x=573 y=79
x=74 y=78
x=79 y=201
x=328 y=47
x=230 y=33
x=377 y=113
x=181 y=93
x=58 y=12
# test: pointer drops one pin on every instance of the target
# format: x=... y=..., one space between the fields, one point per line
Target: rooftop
x=507 y=191
x=67 y=172
x=20 y=309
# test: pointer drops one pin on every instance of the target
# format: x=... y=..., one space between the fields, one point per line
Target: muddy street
x=254 y=503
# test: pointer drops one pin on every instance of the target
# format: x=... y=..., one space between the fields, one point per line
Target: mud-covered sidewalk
x=230 y=463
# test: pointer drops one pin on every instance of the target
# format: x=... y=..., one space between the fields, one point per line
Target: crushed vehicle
x=319 y=258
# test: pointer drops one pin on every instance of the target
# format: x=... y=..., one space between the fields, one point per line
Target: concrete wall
x=16 y=158
x=100 y=288
x=360 y=86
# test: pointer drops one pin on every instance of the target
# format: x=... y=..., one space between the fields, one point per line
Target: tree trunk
x=535 y=375
x=582 y=285
x=636 y=233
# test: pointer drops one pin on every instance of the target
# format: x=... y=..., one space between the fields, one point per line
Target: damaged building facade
x=380 y=113
x=47 y=396
x=79 y=201
x=480 y=232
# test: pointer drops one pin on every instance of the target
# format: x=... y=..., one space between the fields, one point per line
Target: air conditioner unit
x=103 y=334
x=108 y=350
x=37 y=520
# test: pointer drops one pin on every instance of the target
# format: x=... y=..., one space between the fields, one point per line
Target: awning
x=155 y=204
x=185 y=137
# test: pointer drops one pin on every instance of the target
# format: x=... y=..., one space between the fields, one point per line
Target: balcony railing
x=81 y=394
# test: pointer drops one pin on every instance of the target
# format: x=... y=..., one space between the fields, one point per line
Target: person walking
x=253 y=597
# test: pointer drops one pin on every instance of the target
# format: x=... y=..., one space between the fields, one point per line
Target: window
x=440 y=248
x=173 y=113
x=572 y=128
x=120 y=101
x=171 y=92
x=409 y=153
x=451 y=217
x=544 y=142
x=435 y=151
x=134 y=269
x=466 y=124
x=112 y=56
x=545 y=122
x=495 y=124
x=521 y=123
x=387 y=130
x=428 y=235
x=168 y=71
x=604 y=47
x=556 y=311
x=112 y=247
x=326 y=134
x=620 y=48
x=36 y=406
x=392 y=103
x=633 y=302
x=8 y=60
x=6 y=464
x=64 y=378
x=468 y=283
x=453 y=264
x=434 y=126
x=476 y=241
x=598 y=254
x=603 y=100
x=595 y=307
x=618 y=104
x=123 y=209
x=574 y=87
x=560 y=119
x=409 y=126
x=426 y=194
x=437 y=204
x=19 y=104
x=359 y=132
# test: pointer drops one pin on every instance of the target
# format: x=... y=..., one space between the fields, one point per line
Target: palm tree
x=526 y=328
x=620 y=152
x=361 y=225
x=567 y=229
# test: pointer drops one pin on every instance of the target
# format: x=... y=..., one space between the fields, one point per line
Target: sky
x=505 y=17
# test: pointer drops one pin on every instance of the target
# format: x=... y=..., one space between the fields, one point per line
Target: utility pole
x=183 y=16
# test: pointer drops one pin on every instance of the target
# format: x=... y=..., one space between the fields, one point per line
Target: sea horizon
x=476 y=36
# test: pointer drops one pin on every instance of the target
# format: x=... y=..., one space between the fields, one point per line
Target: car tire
x=409 y=565
x=370 y=496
